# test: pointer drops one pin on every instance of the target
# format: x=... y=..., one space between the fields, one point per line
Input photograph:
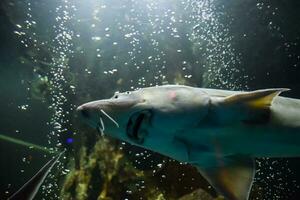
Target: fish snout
x=83 y=111
x=96 y=113
x=92 y=109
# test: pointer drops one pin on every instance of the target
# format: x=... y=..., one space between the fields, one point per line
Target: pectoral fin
x=256 y=99
x=232 y=177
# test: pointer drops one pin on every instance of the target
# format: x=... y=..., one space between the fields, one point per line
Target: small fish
x=220 y=132
x=29 y=190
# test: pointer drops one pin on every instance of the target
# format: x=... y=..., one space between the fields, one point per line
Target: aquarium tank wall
x=57 y=55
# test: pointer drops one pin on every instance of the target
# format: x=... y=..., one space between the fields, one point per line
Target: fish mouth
x=95 y=118
x=136 y=126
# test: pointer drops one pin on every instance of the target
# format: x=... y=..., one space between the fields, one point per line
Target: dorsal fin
x=256 y=99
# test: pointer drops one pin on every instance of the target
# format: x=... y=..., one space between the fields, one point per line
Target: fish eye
x=116 y=95
x=128 y=92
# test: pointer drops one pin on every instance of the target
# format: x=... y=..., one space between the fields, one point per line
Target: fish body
x=218 y=131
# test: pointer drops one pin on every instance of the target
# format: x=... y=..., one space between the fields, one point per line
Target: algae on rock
x=106 y=173
x=103 y=174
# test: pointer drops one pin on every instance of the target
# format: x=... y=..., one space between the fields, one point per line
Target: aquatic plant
x=106 y=173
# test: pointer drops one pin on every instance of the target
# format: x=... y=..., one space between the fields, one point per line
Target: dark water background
x=222 y=44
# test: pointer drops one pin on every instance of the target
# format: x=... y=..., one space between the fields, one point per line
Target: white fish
x=220 y=132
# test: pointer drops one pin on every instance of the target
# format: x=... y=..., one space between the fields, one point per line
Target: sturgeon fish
x=219 y=132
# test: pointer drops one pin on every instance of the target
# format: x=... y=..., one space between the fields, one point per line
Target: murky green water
x=56 y=55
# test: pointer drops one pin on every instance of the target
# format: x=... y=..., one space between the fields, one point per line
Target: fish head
x=111 y=115
x=148 y=116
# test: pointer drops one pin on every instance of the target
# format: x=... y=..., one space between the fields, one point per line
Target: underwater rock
x=40 y=88
x=102 y=174
x=105 y=172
